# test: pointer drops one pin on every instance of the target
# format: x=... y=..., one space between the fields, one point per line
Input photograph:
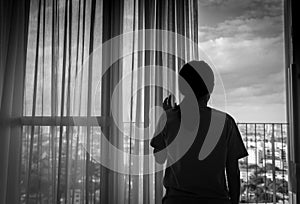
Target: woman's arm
x=160 y=153
x=158 y=141
x=236 y=151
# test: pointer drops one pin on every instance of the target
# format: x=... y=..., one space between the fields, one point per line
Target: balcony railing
x=264 y=175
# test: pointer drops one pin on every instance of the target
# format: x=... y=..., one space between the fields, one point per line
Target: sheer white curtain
x=13 y=42
x=70 y=83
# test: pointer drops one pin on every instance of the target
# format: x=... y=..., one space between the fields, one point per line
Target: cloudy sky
x=245 y=41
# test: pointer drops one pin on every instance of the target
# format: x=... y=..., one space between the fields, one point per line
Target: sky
x=244 y=39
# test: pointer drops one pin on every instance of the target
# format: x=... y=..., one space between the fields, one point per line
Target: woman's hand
x=169 y=102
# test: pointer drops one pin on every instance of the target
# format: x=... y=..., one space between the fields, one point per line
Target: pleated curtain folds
x=13 y=47
x=56 y=96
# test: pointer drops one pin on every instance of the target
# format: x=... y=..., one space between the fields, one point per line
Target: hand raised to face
x=169 y=102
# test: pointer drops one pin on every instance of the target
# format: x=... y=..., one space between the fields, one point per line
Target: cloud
x=231 y=54
x=258 y=113
x=247 y=48
x=249 y=68
x=248 y=8
x=244 y=28
x=259 y=9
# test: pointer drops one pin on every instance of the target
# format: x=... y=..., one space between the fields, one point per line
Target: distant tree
x=269 y=167
x=253 y=166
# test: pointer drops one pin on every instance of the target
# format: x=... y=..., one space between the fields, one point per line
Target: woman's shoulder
x=173 y=114
x=228 y=119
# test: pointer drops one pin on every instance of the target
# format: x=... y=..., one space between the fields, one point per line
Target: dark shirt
x=190 y=176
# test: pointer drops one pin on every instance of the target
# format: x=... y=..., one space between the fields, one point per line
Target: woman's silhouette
x=216 y=178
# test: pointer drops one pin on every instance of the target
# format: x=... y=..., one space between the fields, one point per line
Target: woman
x=190 y=179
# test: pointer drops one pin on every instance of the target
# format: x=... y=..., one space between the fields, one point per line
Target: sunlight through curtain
x=13 y=42
x=69 y=91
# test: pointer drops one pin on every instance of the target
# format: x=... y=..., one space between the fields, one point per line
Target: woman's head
x=199 y=77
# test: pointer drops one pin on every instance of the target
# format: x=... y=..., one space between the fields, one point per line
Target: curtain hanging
x=13 y=43
x=68 y=92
